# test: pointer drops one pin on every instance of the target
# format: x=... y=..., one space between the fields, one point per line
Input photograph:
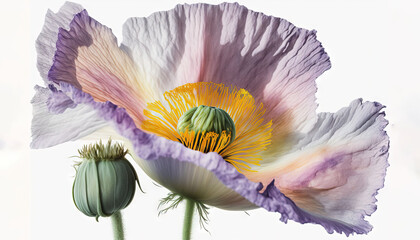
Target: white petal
x=193 y=181
x=52 y=128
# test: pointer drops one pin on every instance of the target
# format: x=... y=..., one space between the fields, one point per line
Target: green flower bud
x=205 y=119
x=105 y=180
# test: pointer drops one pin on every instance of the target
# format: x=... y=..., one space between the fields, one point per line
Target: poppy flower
x=252 y=75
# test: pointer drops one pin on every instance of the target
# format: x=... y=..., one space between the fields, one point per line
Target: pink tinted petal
x=227 y=43
x=88 y=57
x=337 y=169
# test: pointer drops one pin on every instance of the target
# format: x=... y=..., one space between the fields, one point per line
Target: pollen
x=253 y=132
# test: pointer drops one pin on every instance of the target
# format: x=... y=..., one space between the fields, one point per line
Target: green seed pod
x=105 y=180
x=207 y=119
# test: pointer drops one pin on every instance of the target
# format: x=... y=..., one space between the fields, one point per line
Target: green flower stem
x=117 y=226
x=189 y=211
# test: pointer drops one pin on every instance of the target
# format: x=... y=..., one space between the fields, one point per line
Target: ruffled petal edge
x=151 y=148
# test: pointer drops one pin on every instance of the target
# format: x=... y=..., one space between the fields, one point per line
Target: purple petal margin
x=58 y=101
x=45 y=43
x=68 y=42
x=151 y=147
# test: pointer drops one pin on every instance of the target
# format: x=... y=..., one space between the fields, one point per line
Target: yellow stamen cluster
x=208 y=142
x=253 y=134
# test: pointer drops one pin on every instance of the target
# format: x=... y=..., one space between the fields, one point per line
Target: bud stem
x=189 y=211
x=117 y=226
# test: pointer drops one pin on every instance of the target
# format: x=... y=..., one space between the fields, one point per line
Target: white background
x=374 y=49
